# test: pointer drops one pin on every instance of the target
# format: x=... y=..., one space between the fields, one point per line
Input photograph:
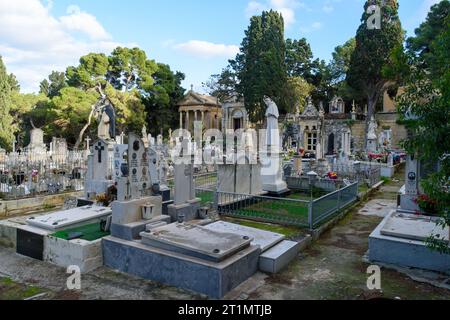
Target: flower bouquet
x=427 y=205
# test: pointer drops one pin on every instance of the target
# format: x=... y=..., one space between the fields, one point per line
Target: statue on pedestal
x=106 y=117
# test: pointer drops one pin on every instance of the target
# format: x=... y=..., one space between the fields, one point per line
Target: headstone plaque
x=412 y=178
x=153 y=165
x=120 y=161
x=100 y=161
x=139 y=177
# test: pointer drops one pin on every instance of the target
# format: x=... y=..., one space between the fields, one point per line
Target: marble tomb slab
x=413 y=227
x=196 y=241
x=69 y=218
x=264 y=239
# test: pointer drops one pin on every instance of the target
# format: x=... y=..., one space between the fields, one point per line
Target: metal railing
x=261 y=208
x=205 y=185
x=29 y=174
x=285 y=211
x=370 y=174
x=328 y=206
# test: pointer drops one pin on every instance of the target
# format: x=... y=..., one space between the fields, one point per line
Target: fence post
x=339 y=198
x=310 y=215
x=216 y=201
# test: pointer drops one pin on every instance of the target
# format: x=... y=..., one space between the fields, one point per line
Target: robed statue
x=106 y=118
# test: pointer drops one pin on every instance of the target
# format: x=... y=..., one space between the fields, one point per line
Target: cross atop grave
x=99 y=147
x=87 y=143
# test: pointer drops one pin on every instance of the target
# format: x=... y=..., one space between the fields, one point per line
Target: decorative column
x=181 y=119
x=187 y=120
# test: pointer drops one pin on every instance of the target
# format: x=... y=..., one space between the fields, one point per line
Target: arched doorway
x=330 y=150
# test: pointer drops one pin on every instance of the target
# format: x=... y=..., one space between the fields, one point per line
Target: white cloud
x=313 y=27
x=285 y=7
x=83 y=22
x=328 y=8
x=206 y=49
x=33 y=42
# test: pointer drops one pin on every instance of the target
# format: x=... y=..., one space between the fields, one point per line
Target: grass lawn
x=363 y=188
x=205 y=196
x=276 y=210
x=90 y=232
x=11 y=290
x=299 y=196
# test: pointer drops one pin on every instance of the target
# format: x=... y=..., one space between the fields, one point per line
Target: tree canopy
x=425 y=109
x=6 y=120
x=260 y=65
x=373 y=51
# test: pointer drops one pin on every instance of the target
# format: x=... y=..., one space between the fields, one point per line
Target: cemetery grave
x=88 y=232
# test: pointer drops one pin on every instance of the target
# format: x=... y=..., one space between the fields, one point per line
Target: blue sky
x=195 y=37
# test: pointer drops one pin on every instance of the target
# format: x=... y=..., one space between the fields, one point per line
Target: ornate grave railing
x=282 y=211
x=205 y=186
x=27 y=174
x=328 y=206
x=302 y=183
x=285 y=211
x=362 y=173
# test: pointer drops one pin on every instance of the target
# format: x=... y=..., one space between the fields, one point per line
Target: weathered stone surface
x=413 y=227
x=196 y=241
x=264 y=239
x=69 y=218
x=405 y=252
x=175 y=269
x=278 y=257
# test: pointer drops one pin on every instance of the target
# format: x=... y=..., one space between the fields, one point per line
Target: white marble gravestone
x=99 y=175
x=139 y=177
x=153 y=165
x=412 y=180
x=69 y=218
x=159 y=140
x=186 y=205
x=120 y=161
x=271 y=158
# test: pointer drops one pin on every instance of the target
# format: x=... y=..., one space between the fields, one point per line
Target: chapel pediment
x=310 y=111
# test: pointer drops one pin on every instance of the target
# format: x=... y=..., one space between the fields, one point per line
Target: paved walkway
x=333 y=268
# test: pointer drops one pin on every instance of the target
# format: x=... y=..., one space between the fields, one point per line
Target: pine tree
x=261 y=66
x=373 y=51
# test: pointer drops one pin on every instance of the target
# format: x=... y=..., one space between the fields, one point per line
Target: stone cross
x=100 y=147
x=87 y=143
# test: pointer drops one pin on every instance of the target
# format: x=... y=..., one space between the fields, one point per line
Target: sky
x=196 y=37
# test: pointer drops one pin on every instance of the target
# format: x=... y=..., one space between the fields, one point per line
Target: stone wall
x=13 y=207
x=358 y=135
x=389 y=120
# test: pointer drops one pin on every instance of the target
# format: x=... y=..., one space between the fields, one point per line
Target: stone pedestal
x=372 y=145
x=187 y=211
x=272 y=174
